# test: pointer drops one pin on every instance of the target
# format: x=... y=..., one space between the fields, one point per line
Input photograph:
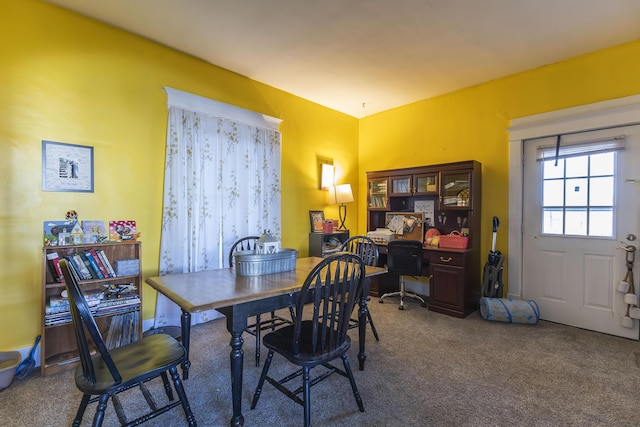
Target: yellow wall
x=70 y=79
x=471 y=124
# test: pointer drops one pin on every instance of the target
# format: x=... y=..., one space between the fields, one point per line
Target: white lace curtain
x=222 y=183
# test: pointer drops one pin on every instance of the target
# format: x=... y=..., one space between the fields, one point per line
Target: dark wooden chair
x=260 y=324
x=404 y=257
x=110 y=372
x=366 y=249
x=330 y=293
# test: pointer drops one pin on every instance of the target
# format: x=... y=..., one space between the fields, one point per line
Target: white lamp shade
x=340 y=194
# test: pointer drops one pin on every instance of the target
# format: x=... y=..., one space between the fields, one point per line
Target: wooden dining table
x=240 y=297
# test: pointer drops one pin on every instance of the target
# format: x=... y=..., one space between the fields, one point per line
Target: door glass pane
x=576 y=222
x=553 y=220
x=576 y=192
x=577 y=166
x=553 y=193
x=602 y=164
x=552 y=171
x=601 y=222
x=601 y=191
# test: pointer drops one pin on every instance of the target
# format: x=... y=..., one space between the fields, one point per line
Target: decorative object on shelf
x=77 y=235
x=94 y=231
x=267 y=244
x=316 y=219
x=58 y=233
x=123 y=230
x=67 y=167
x=341 y=194
x=72 y=215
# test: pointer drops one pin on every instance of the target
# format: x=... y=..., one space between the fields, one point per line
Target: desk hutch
x=455 y=189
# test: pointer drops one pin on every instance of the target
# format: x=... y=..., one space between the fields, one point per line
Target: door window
x=577 y=195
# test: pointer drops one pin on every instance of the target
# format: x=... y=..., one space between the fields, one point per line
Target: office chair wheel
x=401 y=307
x=381 y=301
x=424 y=304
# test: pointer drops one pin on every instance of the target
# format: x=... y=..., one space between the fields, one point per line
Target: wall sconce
x=326 y=176
x=341 y=194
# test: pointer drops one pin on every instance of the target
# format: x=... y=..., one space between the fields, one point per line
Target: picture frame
x=67 y=167
x=316 y=218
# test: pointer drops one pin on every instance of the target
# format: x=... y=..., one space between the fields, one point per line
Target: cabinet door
x=455 y=192
x=426 y=184
x=401 y=185
x=378 y=198
x=447 y=287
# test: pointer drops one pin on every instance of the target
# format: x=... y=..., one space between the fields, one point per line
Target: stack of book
x=101 y=303
x=91 y=264
x=57 y=310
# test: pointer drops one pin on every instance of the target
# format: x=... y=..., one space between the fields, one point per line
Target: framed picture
x=67 y=167
x=316 y=218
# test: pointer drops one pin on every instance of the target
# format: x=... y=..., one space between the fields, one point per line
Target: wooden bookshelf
x=119 y=323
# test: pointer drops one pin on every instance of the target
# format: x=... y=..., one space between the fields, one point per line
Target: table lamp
x=341 y=194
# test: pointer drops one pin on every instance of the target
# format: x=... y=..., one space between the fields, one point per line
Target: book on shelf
x=106 y=262
x=93 y=266
x=53 y=262
x=79 y=266
x=99 y=263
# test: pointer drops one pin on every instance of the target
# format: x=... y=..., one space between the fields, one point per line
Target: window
x=578 y=195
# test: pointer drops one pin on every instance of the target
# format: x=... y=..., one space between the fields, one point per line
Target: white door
x=577 y=217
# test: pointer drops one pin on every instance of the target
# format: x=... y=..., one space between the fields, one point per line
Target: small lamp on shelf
x=341 y=194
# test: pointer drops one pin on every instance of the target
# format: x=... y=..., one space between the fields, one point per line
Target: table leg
x=185 y=323
x=362 y=330
x=237 y=361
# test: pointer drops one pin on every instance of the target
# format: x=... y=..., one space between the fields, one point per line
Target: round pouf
x=510 y=311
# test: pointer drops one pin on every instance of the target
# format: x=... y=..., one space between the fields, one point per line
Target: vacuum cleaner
x=492 y=284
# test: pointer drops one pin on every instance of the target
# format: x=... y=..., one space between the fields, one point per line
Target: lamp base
x=342 y=213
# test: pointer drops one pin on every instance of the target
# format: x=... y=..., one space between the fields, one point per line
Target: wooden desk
x=238 y=298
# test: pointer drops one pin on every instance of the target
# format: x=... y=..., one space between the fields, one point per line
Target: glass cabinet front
x=401 y=185
x=426 y=184
x=456 y=188
x=378 y=195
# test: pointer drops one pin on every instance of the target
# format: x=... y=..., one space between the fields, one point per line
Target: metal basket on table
x=249 y=263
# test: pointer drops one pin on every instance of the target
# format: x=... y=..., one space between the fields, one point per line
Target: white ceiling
x=361 y=57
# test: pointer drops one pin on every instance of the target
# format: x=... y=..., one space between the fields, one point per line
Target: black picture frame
x=316 y=218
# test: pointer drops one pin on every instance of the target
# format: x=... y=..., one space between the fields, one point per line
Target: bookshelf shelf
x=119 y=322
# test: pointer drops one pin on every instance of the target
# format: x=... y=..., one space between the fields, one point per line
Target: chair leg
x=263 y=375
x=80 y=413
x=373 y=327
x=182 y=395
x=306 y=393
x=258 y=330
x=354 y=387
x=402 y=293
x=167 y=386
x=102 y=406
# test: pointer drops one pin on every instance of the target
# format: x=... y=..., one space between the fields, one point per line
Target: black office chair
x=404 y=257
x=331 y=291
x=367 y=249
x=109 y=372
x=255 y=329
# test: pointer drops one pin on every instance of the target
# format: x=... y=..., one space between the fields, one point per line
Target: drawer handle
x=446 y=260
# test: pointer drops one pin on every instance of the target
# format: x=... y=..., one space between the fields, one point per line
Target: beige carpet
x=427 y=370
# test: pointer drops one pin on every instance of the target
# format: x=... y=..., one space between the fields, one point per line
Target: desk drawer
x=446 y=258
